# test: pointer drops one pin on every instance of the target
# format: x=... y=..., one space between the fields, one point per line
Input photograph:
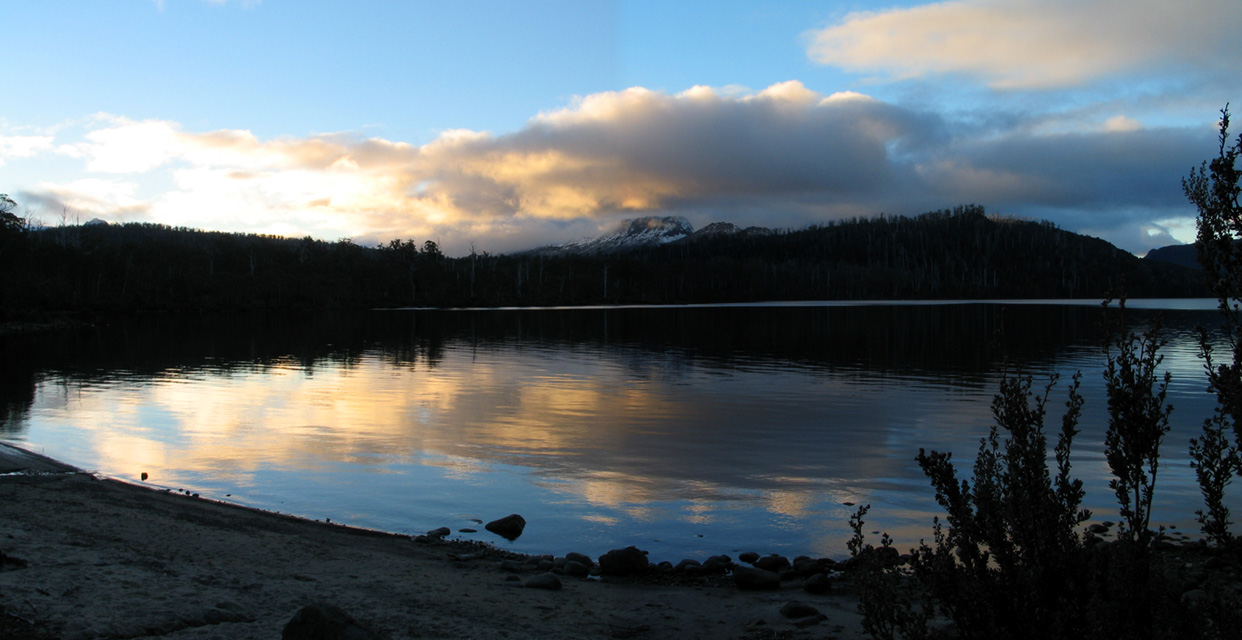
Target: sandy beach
x=86 y=557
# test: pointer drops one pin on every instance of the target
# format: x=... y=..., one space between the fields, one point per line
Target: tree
x=1214 y=189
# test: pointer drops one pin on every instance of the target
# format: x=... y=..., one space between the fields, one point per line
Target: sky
x=502 y=126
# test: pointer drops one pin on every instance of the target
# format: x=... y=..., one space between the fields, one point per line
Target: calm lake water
x=685 y=431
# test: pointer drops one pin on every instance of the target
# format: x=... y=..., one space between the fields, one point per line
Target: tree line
x=957 y=253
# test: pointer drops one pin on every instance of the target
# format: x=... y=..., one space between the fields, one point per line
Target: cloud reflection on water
x=638 y=434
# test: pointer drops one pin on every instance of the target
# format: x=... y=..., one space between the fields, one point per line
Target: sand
x=87 y=557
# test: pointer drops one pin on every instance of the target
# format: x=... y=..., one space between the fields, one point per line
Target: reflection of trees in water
x=17 y=386
x=944 y=340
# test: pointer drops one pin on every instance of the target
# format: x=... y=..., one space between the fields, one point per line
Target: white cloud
x=1035 y=44
x=22 y=146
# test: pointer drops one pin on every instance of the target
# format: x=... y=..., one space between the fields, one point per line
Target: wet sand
x=86 y=557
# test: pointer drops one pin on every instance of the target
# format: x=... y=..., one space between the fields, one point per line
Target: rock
x=805 y=567
x=798 y=610
x=508 y=527
x=512 y=566
x=749 y=579
x=324 y=622
x=8 y=562
x=467 y=530
x=226 y=612
x=809 y=620
x=687 y=563
x=773 y=563
x=623 y=562
x=1098 y=529
x=718 y=563
x=575 y=569
x=749 y=557
x=439 y=533
x=818 y=583
x=581 y=559
x=547 y=581
x=1194 y=598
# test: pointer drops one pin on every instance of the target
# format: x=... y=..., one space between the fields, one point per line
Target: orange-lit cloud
x=785 y=156
x=1034 y=44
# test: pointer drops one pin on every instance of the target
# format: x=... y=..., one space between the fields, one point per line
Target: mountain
x=630 y=234
x=649 y=231
x=1182 y=254
x=729 y=229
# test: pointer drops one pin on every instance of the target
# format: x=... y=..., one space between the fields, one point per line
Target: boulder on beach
x=546 y=581
x=508 y=527
x=797 y=609
x=623 y=562
x=774 y=563
x=580 y=558
x=749 y=579
x=321 y=621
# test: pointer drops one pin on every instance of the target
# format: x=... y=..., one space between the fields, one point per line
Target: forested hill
x=961 y=253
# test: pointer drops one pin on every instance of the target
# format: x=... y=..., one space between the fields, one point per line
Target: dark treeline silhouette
x=959 y=253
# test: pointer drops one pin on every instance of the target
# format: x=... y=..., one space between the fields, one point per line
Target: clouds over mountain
x=785 y=155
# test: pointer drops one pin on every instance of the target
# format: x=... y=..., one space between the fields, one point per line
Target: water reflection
x=750 y=426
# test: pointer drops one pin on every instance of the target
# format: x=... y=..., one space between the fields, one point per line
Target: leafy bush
x=1138 y=420
x=1009 y=564
x=1214 y=190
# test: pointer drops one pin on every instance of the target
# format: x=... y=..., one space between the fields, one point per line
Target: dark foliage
x=1013 y=563
x=962 y=253
x=1138 y=420
x=1010 y=563
x=1214 y=189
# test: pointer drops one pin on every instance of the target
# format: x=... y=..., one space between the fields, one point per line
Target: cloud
x=639 y=150
x=1036 y=44
x=23 y=146
x=784 y=156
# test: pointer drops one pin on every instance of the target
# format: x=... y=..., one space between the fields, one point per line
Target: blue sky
x=511 y=125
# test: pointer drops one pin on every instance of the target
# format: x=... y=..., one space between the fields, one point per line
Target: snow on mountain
x=650 y=231
x=636 y=232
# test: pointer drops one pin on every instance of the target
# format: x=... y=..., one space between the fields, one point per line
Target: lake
x=686 y=431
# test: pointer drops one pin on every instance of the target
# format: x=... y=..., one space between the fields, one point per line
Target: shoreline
x=88 y=557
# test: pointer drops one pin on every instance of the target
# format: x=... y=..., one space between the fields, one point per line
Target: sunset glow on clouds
x=1035 y=44
x=1085 y=113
